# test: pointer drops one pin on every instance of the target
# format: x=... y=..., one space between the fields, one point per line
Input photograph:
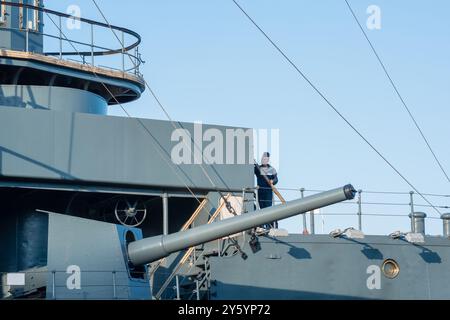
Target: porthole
x=390 y=269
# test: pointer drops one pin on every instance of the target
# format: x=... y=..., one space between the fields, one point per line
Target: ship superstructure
x=96 y=207
x=61 y=154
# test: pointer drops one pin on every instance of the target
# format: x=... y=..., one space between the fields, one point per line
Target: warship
x=94 y=207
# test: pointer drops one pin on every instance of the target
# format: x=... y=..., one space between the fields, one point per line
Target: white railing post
x=92 y=45
x=60 y=38
x=360 y=210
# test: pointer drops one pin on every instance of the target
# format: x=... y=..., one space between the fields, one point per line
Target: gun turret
x=151 y=249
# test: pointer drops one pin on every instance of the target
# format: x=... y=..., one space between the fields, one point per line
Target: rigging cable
x=137 y=119
x=154 y=139
x=331 y=105
x=408 y=110
x=164 y=110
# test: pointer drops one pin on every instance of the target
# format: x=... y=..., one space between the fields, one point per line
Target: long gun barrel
x=151 y=249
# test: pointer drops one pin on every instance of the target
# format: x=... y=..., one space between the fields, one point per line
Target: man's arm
x=257 y=170
x=274 y=179
x=274 y=176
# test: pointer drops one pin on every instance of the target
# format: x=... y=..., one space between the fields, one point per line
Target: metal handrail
x=88 y=21
x=374 y=204
x=136 y=58
x=192 y=265
x=364 y=191
x=188 y=254
x=96 y=50
x=114 y=285
x=186 y=226
x=359 y=204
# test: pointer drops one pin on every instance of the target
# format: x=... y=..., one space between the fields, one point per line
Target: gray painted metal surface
x=54 y=138
x=51 y=145
x=93 y=247
x=151 y=249
x=136 y=87
x=17 y=39
x=52 y=98
x=319 y=267
x=55 y=186
x=23 y=235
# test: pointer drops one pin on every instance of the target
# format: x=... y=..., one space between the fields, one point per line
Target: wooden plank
x=188 y=253
x=194 y=215
x=211 y=220
x=69 y=64
x=185 y=227
x=214 y=216
x=277 y=193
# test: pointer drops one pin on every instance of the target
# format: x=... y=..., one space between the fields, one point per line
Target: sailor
x=266 y=178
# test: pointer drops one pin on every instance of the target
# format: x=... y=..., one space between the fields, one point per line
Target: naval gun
x=151 y=249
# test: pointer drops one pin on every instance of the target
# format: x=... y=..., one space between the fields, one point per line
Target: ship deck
x=31 y=56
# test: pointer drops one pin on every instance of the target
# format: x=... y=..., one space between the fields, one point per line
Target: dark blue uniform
x=265 y=193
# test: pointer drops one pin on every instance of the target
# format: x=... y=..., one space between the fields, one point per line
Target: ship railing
x=184 y=286
x=110 y=284
x=189 y=223
x=69 y=31
x=192 y=256
x=367 y=204
x=180 y=284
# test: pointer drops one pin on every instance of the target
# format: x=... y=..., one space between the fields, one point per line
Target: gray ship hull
x=321 y=267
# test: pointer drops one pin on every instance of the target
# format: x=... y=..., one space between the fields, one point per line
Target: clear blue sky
x=207 y=62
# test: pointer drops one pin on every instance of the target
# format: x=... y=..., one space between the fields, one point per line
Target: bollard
x=446 y=221
x=114 y=285
x=418 y=222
